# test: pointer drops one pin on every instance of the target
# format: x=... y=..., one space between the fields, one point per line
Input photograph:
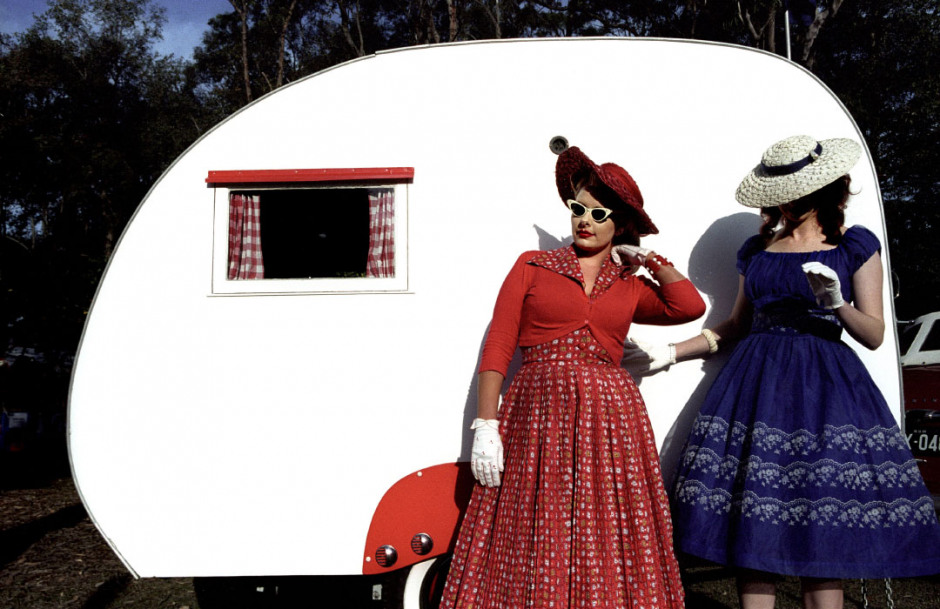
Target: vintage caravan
x=312 y=419
x=919 y=344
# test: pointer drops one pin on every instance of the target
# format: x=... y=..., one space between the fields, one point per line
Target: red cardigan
x=543 y=298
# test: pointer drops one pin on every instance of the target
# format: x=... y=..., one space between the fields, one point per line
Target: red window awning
x=281 y=176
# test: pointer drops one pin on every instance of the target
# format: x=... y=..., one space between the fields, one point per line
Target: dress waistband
x=578 y=347
x=786 y=321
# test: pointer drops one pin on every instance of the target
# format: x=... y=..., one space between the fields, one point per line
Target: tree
x=259 y=38
x=92 y=115
x=264 y=44
x=879 y=58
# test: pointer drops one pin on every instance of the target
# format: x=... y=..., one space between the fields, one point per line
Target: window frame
x=224 y=182
x=907 y=336
x=931 y=342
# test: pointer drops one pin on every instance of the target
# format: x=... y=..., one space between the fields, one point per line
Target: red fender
x=430 y=502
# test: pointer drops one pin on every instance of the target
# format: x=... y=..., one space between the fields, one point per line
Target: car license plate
x=924 y=443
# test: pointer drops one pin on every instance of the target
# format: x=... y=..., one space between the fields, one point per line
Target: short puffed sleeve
x=860 y=244
x=751 y=247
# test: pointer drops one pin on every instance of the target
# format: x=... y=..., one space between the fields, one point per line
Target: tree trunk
x=432 y=34
x=806 y=55
x=452 y=20
x=242 y=12
x=493 y=14
x=771 y=27
x=282 y=43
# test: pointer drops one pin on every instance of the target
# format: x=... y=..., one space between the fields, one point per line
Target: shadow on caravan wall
x=225 y=423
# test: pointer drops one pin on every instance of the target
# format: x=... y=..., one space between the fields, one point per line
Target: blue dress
x=795 y=464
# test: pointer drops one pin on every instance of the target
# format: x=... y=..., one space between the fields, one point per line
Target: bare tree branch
x=17 y=241
x=346 y=26
x=745 y=17
x=493 y=15
x=764 y=34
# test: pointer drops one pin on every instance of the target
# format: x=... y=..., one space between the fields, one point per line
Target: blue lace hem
x=801 y=442
x=824 y=473
x=828 y=511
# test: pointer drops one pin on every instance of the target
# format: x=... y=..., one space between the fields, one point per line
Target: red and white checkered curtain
x=244 y=237
x=381 y=260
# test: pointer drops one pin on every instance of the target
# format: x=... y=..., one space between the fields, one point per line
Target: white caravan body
x=251 y=427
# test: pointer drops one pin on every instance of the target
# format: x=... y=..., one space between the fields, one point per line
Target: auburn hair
x=829 y=202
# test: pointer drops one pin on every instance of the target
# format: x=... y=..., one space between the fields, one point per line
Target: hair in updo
x=829 y=202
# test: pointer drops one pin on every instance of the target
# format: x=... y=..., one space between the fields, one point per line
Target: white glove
x=629 y=255
x=825 y=285
x=659 y=356
x=486 y=458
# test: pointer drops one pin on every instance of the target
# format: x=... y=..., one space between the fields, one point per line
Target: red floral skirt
x=581 y=518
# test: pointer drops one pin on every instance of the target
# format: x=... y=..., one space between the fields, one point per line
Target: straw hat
x=795 y=167
x=572 y=165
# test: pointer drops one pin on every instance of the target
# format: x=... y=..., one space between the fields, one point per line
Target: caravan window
x=932 y=342
x=322 y=231
x=907 y=335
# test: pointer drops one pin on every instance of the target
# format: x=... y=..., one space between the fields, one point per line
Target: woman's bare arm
x=489 y=386
x=864 y=318
x=730 y=329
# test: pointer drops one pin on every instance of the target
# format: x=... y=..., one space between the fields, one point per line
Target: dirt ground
x=52 y=557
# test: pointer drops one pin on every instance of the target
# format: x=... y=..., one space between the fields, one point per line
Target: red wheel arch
x=428 y=502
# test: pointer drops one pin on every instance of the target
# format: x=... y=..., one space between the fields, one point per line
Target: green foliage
x=91 y=118
x=880 y=58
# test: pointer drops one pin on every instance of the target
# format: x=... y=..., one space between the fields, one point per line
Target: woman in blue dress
x=795 y=465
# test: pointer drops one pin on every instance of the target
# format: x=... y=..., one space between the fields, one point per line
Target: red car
x=920 y=372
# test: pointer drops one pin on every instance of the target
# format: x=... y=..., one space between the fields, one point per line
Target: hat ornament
x=782 y=170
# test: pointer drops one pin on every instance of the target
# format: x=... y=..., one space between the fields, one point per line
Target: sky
x=186 y=20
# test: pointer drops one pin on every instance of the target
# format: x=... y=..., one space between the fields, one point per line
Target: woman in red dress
x=577 y=515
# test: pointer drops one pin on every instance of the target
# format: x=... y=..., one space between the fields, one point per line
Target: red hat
x=572 y=163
